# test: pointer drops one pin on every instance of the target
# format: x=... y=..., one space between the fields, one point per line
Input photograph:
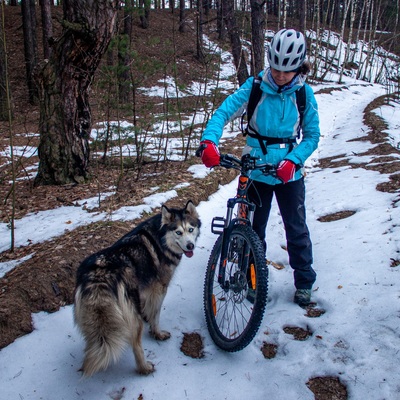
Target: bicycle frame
x=236 y=280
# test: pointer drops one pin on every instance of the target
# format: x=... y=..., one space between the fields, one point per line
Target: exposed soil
x=327 y=388
x=297 y=332
x=45 y=281
x=269 y=350
x=314 y=312
x=192 y=345
x=336 y=216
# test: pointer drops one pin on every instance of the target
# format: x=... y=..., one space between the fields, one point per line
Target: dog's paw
x=146 y=369
x=160 y=335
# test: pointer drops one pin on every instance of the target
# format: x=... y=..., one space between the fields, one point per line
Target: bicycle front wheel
x=234 y=305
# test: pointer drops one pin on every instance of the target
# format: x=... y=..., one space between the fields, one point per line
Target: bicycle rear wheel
x=232 y=319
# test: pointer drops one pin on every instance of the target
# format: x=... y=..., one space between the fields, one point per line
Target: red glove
x=285 y=171
x=210 y=155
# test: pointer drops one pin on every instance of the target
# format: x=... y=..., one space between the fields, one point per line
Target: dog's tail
x=103 y=326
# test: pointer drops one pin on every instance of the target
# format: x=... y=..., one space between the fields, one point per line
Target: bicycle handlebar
x=246 y=163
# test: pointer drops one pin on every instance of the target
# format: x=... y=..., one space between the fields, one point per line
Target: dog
x=123 y=286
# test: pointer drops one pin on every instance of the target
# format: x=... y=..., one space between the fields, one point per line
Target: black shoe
x=302 y=297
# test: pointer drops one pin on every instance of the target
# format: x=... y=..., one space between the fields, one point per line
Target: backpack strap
x=255 y=96
x=301 y=102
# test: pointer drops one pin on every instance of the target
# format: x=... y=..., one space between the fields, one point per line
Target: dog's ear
x=191 y=209
x=167 y=215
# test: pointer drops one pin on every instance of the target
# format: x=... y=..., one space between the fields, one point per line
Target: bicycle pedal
x=217 y=225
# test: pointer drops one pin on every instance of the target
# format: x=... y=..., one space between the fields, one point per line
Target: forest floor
x=46 y=281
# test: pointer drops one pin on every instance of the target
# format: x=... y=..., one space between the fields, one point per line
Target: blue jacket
x=276 y=115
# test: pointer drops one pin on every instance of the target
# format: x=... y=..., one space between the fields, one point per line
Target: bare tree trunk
x=373 y=41
x=6 y=115
x=200 y=51
x=279 y=14
x=220 y=21
x=237 y=51
x=182 y=21
x=124 y=55
x=302 y=15
x=315 y=50
x=337 y=15
x=206 y=6
x=47 y=27
x=30 y=45
x=348 y=47
x=4 y=87
x=145 y=13
x=338 y=48
x=360 y=18
x=257 y=36
x=5 y=94
x=65 y=115
x=360 y=67
x=341 y=38
x=285 y=7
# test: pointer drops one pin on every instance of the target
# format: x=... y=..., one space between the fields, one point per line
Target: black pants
x=290 y=198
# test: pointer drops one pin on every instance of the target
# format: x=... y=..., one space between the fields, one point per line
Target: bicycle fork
x=225 y=226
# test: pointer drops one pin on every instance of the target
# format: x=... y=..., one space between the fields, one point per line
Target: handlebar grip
x=229 y=161
x=230 y=157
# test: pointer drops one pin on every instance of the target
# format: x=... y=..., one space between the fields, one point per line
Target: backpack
x=255 y=96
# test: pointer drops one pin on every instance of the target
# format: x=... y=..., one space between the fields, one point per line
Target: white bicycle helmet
x=287 y=50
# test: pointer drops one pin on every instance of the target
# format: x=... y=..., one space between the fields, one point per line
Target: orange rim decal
x=253 y=276
x=214 y=305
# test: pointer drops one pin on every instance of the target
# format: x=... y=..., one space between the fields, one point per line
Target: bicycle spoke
x=232 y=310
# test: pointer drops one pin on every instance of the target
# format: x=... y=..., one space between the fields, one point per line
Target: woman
x=277 y=119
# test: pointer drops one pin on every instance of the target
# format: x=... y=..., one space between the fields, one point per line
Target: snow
x=387 y=113
x=357 y=339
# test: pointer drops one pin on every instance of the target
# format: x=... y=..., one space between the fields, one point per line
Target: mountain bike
x=236 y=281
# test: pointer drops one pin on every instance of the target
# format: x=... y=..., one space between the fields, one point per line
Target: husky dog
x=123 y=286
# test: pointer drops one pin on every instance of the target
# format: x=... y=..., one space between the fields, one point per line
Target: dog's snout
x=190 y=246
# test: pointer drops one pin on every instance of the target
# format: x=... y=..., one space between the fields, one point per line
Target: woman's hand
x=210 y=154
x=285 y=171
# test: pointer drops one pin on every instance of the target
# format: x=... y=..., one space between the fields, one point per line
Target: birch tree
x=347 y=51
x=367 y=13
x=284 y=12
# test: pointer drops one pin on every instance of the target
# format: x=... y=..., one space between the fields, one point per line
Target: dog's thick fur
x=123 y=286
